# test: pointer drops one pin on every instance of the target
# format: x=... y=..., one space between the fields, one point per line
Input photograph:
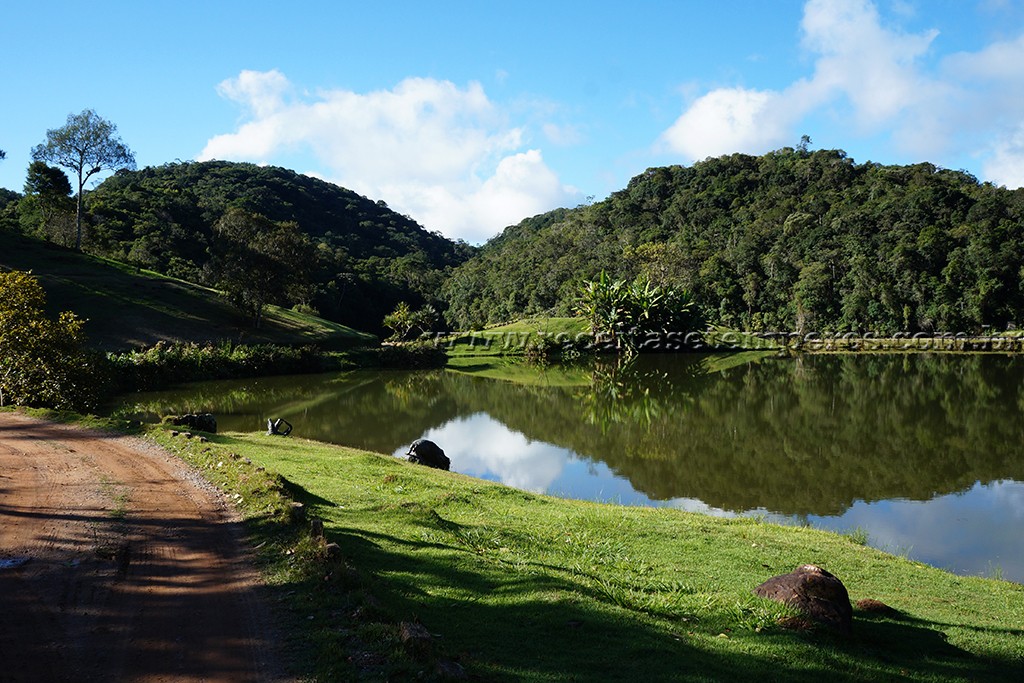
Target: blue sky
x=469 y=116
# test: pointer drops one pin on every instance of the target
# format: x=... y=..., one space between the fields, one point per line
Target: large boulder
x=428 y=453
x=813 y=591
x=204 y=422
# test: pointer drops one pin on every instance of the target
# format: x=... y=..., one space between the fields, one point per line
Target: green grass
x=514 y=339
x=127 y=307
x=522 y=587
x=726 y=338
x=520 y=372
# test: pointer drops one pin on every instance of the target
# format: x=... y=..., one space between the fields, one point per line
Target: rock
x=204 y=422
x=876 y=607
x=428 y=453
x=296 y=511
x=316 y=528
x=415 y=637
x=813 y=591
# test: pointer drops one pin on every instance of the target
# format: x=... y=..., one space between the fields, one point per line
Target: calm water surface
x=922 y=452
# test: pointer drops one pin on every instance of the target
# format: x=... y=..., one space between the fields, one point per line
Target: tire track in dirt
x=117 y=563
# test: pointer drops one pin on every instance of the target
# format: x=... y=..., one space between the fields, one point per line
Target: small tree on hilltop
x=87 y=144
x=43 y=362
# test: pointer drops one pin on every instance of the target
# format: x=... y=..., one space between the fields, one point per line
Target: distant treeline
x=791 y=240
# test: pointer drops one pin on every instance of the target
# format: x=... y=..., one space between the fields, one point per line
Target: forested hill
x=368 y=257
x=792 y=240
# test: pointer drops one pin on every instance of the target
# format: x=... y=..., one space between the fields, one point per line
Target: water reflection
x=923 y=452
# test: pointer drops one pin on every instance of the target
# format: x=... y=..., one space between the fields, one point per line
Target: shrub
x=43 y=362
x=165 y=363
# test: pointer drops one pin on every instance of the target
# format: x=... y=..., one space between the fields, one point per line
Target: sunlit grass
x=518 y=586
x=514 y=339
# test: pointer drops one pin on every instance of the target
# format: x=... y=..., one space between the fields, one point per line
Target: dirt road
x=118 y=564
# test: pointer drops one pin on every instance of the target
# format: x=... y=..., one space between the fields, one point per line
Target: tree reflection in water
x=797 y=436
x=810 y=436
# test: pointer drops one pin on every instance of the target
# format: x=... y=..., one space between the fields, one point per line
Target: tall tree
x=259 y=262
x=47 y=206
x=87 y=144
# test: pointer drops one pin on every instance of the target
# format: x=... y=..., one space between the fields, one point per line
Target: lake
x=920 y=452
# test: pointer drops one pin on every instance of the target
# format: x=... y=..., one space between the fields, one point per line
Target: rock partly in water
x=813 y=591
x=428 y=453
x=204 y=422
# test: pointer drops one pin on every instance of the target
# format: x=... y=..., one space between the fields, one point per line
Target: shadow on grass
x=301 y=495
x=544 y=625
x=510 y=616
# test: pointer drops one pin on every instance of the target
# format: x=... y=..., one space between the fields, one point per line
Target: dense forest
x=791 y=240
x=365 y=257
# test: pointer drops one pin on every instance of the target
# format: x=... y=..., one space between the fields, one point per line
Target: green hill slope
x=791 y=240
x=368 y=257
x=127 y=307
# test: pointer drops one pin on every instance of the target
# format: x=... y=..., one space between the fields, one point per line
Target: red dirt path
x=117 y=563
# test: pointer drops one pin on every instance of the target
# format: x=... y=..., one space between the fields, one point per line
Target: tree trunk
x=78 y=214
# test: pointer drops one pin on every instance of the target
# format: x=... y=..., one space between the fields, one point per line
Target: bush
x=43 y=362
x=165 y=363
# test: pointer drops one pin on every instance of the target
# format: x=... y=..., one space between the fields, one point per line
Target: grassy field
x=518 y=338
x=514 y=339
x=502 y=584
x=128 y=308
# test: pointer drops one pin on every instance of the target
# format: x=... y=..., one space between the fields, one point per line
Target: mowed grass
x=514 y=586
x=128 y=308
x=515 y=369
x=514 y=339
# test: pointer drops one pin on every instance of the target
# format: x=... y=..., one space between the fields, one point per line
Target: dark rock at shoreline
x=813 y=591
x=428 y=453
x=204 y=422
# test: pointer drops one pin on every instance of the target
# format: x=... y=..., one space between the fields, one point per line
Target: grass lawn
x=514 y=339
x=516 y=586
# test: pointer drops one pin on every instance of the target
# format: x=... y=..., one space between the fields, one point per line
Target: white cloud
x=262 y=91
x=1005 y=165
x=873 y=68
x=993 y=101
x=728 y=120
x=877 y=80
x=442 y=154
x=876 y=68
